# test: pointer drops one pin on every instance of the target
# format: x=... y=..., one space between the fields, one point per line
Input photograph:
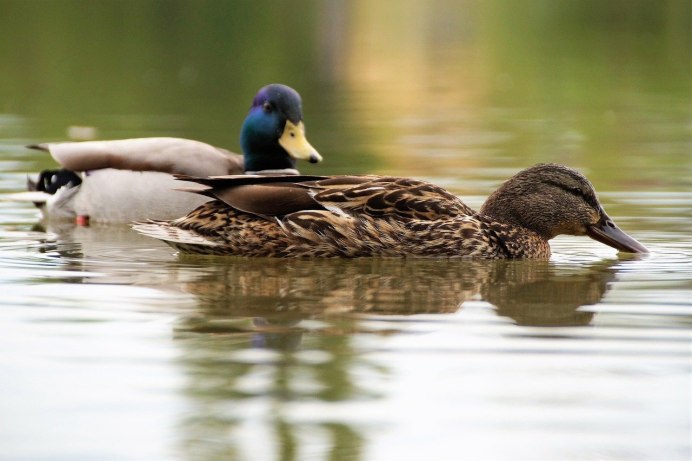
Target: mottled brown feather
x=362 y=216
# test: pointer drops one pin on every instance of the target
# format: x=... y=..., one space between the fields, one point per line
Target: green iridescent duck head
x=552 y=200
x=273 y=134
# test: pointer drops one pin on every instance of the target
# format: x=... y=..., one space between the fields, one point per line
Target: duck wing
x=167 y=155
x=374 y=196
x=386 y=196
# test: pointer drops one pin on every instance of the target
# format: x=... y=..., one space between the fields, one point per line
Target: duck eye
x=577 y=191
x=267 y=107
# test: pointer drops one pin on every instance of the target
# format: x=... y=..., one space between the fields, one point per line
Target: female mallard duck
x=355 y=216
x=131 y=179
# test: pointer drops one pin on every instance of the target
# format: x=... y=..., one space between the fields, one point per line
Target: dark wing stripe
x=240 y=180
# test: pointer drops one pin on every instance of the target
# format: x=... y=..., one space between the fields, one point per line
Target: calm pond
x=115 y=347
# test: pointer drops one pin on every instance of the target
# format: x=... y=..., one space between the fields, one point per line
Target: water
x=114 y=347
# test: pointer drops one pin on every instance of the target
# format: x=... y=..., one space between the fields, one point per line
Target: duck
x=125 y=180
x=383 y=216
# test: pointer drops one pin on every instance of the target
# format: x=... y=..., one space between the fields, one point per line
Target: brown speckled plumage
x=360 y=216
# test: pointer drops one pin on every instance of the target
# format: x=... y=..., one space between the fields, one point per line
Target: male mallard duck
x=131 y=179
x=355 y=216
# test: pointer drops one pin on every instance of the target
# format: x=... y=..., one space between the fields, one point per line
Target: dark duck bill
x=607 y=232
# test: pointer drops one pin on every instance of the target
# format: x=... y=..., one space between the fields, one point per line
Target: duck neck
x=276 y=160
x=514 y=210
x=515 y=240
x=262 y=151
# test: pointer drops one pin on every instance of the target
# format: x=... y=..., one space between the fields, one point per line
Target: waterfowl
x=359 y=216
x=131 y=179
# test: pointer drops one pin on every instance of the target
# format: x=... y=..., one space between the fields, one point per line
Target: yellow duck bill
x=296 y=144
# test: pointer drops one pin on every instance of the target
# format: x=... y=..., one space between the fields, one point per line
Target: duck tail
x=174 y=236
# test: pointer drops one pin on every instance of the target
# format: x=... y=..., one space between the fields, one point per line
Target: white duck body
x=121 y=196
x=130 y=179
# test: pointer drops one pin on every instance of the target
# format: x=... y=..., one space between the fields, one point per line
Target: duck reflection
x=279 y=333
x=272 y=345
x=278 y=294
x=528 y=292
x=112 y=254
x=546 y=295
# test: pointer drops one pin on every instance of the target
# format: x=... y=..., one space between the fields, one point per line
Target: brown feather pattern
x=349 y=217
x=363 y=216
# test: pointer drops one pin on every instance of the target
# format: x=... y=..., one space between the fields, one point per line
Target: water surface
x=114 y=347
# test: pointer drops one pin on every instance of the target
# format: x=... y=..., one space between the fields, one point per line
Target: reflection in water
x=269 y=333
x=547 y=296
x=228 y=382
x=529 y=292
x=275 y=295
x=285 y=329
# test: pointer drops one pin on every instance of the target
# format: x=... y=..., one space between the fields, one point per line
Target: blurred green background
x=438 y=88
